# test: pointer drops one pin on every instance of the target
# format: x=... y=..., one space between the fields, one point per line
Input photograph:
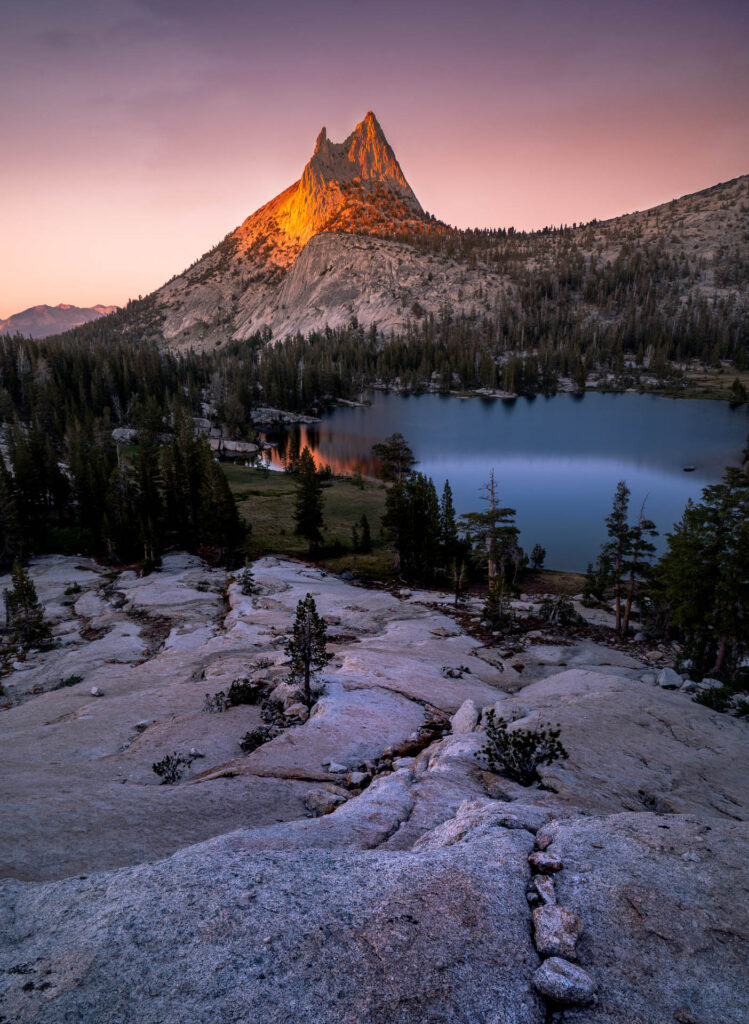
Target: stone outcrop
x=361 y=864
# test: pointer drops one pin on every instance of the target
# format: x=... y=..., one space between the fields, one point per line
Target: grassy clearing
x=266 y=501
x=547 y=581
x=707 y=382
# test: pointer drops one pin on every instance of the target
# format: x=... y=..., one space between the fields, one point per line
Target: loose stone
x=564 y=982
x=556 y=931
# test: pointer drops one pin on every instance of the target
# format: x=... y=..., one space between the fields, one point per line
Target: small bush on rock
x=717 y=698
x=559 y=611
x=215 y=702
x=519 y=753
x=68 y=681
x=171 y=768
x=241 y=691
x=254 y=739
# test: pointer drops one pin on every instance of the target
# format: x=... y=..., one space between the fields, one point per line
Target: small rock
x=639 y=637
x=96 y=691
x=544 y=863
x=440 y=630
x=354 y=780
x=543 y=885
x=709 y=684
x=669 y=680
x=689 y=686
x=297 y=710
x=145 y=724
x=449 y=672
x=194 y=752
x=564 y=982
x=336 y=769
x=320 y=802
x=402 y=762
x=346 y=575
x=465 y=718
x=544 y=842
x=557 y=930
x=653 y=656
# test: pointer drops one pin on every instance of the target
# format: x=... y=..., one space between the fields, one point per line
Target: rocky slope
x=350 y=241
x=361 y=864
x=40 y=321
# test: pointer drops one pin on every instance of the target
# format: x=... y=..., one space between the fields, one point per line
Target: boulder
x=669 y=680
x=465 y=718
x=324 y=801
x=709 y=684
x=563 y=982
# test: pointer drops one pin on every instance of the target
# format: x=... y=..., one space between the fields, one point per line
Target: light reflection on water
x=557 y=460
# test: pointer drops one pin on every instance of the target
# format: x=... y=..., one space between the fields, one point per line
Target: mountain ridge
x=35 y=321
x=348 y=243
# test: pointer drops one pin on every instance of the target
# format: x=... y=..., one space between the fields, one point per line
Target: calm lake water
x=557 y=460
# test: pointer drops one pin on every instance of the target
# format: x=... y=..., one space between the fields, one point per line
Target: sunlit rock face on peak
x=355 y=185
x=365 y=155
x=259 y=276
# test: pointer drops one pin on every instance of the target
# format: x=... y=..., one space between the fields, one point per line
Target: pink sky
x=136 y=134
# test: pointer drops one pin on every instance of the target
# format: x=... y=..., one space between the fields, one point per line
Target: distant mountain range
x=40 y=321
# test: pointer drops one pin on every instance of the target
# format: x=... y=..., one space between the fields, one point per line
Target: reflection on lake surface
x=557 y=460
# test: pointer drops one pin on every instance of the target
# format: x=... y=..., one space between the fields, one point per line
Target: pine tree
x=11 y=534
x=308 y=513
x=307 y=647
x=702 y=581
x=396 y=458
x=459 y=581
x=448 y=526
x=638 y=565
x=291 y=463
x=493 y=535
x=538 y=556
x=619 y=546
x=25 y=613
x=365 y=540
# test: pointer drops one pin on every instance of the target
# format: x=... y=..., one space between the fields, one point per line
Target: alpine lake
x=557 y=460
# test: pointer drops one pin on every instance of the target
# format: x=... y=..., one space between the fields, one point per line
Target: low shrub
x=518 y=753
x=241 y=691
x=254 y=739
x=68 y=681
x=559 y=611
x=170 y=768
x=717 y=698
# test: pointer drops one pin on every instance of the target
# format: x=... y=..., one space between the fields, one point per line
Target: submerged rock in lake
x=360 y=865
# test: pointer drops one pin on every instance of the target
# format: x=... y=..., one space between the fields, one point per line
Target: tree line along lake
x=557 y=460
